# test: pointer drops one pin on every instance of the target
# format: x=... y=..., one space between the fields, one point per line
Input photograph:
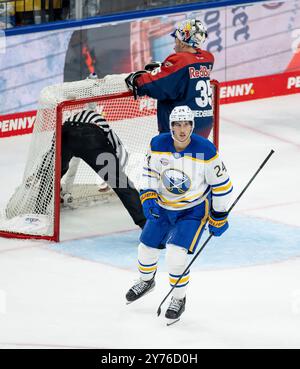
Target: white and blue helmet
x=181 y=114
x=191 y=32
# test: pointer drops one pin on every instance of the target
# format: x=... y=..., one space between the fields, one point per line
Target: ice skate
x=140 y=289
x=175 y=310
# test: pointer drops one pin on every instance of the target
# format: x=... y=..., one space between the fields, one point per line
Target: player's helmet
x=181 y=114
x=191 y=32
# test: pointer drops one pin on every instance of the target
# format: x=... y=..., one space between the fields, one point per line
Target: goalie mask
x=191 y=32
x=181 y=114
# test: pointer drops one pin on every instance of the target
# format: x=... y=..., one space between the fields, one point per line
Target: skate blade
x=172 y=322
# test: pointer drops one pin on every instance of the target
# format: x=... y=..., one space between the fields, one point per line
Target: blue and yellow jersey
x=185 y=179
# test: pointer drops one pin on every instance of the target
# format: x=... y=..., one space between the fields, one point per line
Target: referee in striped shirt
x=87 y=136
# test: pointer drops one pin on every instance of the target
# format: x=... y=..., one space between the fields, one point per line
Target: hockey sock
x=147 y=259
x=176 y=258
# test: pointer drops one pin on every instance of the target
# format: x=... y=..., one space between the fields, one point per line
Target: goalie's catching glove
x=153 y=65
x=130 y=81
x=150 y=206
x=217 y=223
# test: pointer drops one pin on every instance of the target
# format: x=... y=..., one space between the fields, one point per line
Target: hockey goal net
x=33 y=211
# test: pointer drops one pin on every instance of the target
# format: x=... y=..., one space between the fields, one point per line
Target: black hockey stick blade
x=211 y=235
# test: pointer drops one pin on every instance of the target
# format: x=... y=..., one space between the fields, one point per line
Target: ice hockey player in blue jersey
x=182 y=79
x=184 y=185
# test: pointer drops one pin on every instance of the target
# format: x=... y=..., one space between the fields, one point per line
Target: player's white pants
x=147 y=260
x=176 y=258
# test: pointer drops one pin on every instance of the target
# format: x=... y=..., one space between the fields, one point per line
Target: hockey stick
x=211 y=235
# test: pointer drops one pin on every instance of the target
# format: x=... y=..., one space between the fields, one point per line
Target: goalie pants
x=89 y=143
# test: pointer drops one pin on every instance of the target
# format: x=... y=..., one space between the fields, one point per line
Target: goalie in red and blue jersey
x=182 y=79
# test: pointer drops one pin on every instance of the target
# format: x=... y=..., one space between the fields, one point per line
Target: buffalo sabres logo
x=176 y=181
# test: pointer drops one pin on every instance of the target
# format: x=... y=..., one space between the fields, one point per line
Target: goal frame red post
x=58 y=132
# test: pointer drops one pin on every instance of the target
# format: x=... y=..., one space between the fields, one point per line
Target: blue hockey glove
x=217 y=223
x=150 y=206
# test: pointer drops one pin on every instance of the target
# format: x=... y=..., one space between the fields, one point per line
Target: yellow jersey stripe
x=151 y=174
x=186 y=156
x=212 y=159
x=178 y=206
x=223 y=188
x=167 y=202
x=152 y=171
x=172 y=205
x=161 y=153
x=203 y=222
x=202 y=160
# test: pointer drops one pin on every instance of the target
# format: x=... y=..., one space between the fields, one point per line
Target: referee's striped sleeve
x=90 y=116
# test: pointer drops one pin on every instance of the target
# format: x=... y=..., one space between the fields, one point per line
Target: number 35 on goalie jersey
x=186 y=179
x=183 y=79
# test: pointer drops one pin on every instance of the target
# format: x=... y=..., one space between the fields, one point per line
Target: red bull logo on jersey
x=202 y=72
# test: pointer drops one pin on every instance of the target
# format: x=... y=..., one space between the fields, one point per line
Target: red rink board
x=230 y=92
x=260 y=87
x=17 y=124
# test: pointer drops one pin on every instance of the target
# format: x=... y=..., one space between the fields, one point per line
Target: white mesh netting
x=30 y=210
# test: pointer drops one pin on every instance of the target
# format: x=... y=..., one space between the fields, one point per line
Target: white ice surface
x=48 y=299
